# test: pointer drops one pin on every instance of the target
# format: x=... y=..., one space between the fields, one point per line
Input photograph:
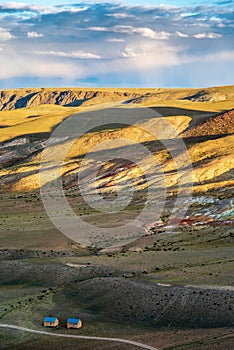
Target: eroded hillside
x=202 y=120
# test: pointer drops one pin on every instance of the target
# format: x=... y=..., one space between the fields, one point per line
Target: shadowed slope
x=205 y=131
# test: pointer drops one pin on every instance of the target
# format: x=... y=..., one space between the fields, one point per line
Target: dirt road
x=118 y=340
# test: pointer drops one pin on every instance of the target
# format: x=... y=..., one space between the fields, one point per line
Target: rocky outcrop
x=10 y=100
x=208 y=96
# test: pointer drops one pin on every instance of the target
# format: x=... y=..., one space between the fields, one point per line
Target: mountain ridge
x=21 y=98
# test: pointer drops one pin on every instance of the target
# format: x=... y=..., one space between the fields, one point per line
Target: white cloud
x=207 y=36
x=99 y=29
x=129 y=52
x=74 y=9
x=20 y=65
x=44 y=9
x=168 y=7
x=215 y=19
x=14 y=5
x=5 y=35
x=143 y=31
x=121 y=15
x=221 y=25
x=154 y=54
x=181 y=35
x=198 y=24
x=34 y=35
x=71 y=54
x=115 y=40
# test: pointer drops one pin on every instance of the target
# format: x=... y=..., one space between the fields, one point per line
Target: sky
x=129 y=43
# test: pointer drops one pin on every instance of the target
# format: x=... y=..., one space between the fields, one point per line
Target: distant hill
x=74 y=97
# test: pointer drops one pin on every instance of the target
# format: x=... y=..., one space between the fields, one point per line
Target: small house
x=74 y=323
x=51 y=321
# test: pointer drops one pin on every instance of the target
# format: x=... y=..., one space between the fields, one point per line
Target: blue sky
x=136 y=2
x=127 y=43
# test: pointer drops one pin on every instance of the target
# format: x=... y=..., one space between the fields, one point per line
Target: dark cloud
x=227 y=2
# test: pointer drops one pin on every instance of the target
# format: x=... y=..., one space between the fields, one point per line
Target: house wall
x=71 y=325
x=49 y=324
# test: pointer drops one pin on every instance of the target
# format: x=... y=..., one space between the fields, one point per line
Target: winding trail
x=117 y=340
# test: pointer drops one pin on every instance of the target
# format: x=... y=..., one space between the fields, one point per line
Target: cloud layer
x=109 y=44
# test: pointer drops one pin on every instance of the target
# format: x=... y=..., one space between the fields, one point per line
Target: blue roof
x=50 y=319
x=73 y=320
